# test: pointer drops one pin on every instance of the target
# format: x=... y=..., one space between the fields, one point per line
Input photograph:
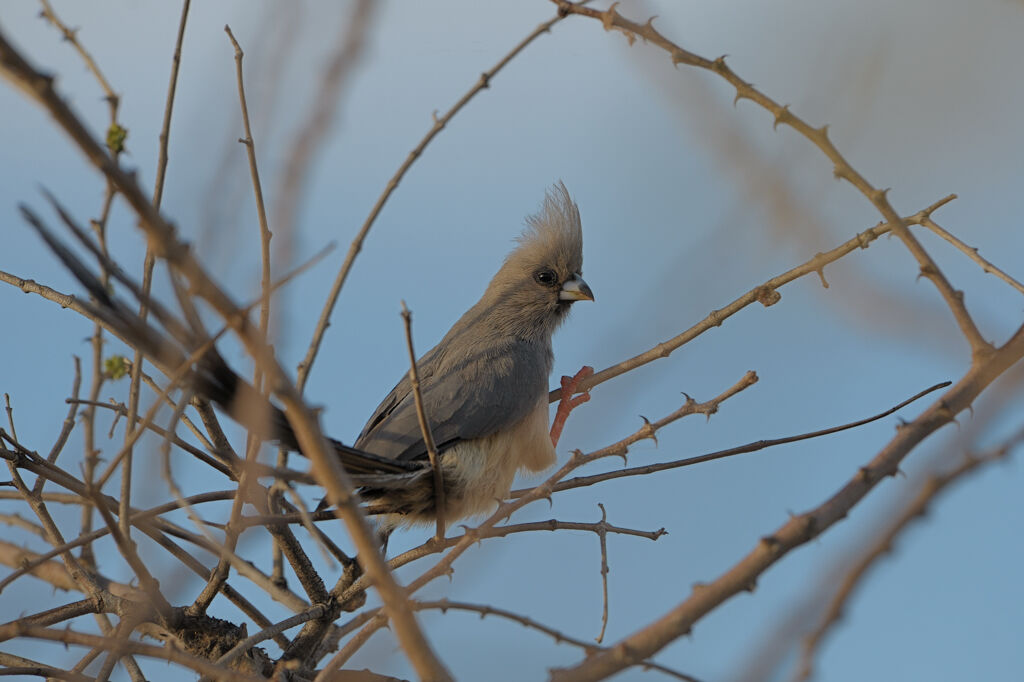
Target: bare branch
x=972 y=253
x=428 y=437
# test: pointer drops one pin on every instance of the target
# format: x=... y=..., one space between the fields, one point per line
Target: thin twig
x=69 y=420
x=71 y=36
x=10 y=415
x=147 y=273
x=972 y=253
x=160 y=392
x=602 y=536
x=257 y=188
x=428 y=436
x=128 y=551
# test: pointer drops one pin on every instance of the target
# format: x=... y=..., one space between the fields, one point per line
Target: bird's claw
x=568 y=401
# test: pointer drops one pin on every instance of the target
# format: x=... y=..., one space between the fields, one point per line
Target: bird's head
x=542 y=277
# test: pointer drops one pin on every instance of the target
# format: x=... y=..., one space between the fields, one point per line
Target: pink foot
x=568 y=403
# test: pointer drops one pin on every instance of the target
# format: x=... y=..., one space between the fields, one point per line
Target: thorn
x=783 y=116
x=767 y=296
x=880 y=195
x=648 y=431
x=927 y=271
x=608 y=17
x=821 y=275
x=679 y=57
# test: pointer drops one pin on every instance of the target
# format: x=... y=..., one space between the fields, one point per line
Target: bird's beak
x=575 y=289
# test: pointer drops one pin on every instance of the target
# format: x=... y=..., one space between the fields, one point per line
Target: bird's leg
x=568 y=402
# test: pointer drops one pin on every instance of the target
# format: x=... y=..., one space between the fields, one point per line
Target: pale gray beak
x=575 y=289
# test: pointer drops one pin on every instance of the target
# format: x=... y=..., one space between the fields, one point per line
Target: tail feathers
x=209 y=376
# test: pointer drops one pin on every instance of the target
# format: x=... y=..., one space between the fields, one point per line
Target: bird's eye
x=545 y=277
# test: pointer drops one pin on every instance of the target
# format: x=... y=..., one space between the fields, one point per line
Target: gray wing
x=473 y=397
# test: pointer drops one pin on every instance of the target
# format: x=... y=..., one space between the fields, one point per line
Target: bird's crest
x=554 y=234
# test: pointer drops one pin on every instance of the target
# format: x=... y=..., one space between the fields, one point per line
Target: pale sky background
x=687 y=202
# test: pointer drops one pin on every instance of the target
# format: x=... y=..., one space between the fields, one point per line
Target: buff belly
x=477 y=474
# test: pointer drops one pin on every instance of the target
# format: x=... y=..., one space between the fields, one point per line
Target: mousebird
x=484 y=385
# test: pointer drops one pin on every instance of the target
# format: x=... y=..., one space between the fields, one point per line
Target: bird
x=484 y=385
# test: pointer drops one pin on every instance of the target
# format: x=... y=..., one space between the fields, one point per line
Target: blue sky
x=687 y=202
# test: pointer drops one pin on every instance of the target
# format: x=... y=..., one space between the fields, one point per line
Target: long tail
x=209 y=375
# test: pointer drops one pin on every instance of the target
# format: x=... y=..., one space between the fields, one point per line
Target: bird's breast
x=480 y=471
